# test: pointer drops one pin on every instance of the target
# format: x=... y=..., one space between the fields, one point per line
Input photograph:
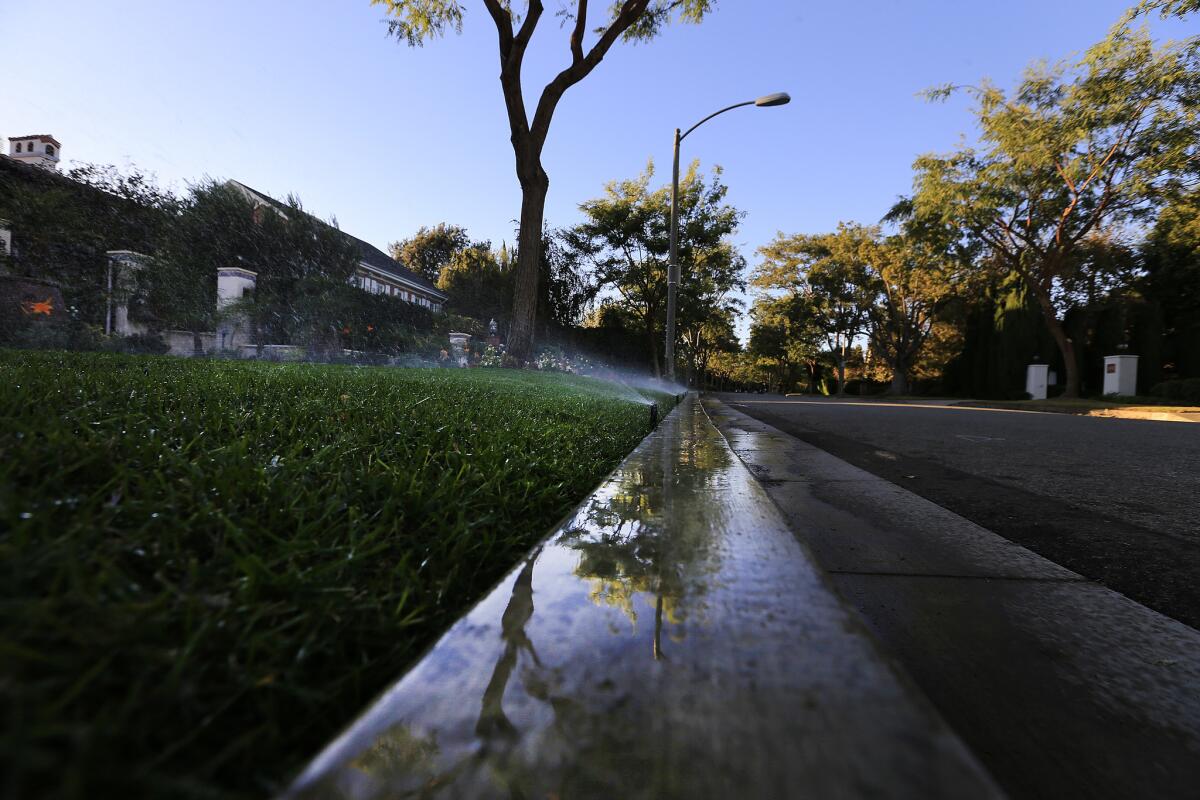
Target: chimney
x=40 y=149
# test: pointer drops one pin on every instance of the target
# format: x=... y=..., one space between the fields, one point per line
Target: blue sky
x=311 y=97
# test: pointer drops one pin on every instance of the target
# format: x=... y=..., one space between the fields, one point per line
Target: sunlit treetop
x=1166 y=8
x=417 y=21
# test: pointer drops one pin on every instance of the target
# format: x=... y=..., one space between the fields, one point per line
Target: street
x=1117 y=501
x=998 y=563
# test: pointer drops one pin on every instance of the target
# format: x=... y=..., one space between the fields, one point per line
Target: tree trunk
x=653 y=340
x=899 y=379
x=841 y=377
x=197 y=344
x=529 y=255
x=1065 y=345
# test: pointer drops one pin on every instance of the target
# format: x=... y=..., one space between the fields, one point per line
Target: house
x=377 y=272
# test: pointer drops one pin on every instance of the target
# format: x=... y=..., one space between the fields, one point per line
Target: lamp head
x=777 y=99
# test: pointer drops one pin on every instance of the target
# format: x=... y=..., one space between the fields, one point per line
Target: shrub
x=68 y=335
x=492 y=357
x=142 y=344
x=1179 y=389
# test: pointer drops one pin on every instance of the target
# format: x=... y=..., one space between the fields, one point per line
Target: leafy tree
x=908 y=280
x=827 y=270
x=416 y=21
x=625 y=236
x=1171 y=260
x=706 y=335
x=565 y=290
x=1167 y=8
x=1074 y=150
x=785 y=333
x=478 y=283
x=429 y=250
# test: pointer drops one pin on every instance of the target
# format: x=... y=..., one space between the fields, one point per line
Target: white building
x=40 y=150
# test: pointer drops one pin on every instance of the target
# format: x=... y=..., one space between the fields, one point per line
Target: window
x=18 y=147
x=49 y=149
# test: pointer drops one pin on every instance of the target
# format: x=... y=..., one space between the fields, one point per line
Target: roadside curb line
x=1111 y=413
x=1157 y=416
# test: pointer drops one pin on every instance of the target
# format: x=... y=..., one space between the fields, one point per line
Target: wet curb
x=671 y=638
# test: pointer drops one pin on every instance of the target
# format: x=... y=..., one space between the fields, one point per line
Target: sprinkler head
x=653 y=416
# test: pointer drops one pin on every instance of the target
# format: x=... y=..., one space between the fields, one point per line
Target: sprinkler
x=653 y=416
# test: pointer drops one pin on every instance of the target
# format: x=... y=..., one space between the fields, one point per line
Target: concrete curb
x=671 y=639
x=1113 y=413
x=1157 y=416
x=1061 y=686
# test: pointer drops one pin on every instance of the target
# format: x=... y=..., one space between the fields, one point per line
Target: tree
x=478 y=283
x=706 y=335
x=827 y=271
x=1171 y=259
x=429 y=250
x=416 y=21
x=1167 y=8
x=907 y=280
x=1075 y=149
x=625 y=236
x=784 y=335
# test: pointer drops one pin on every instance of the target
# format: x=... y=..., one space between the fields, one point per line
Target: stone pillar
x=5 y=244
x=458 y=348
x=123 y=266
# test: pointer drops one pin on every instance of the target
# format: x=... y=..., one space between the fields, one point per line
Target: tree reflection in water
x=634 y=540
x=492 y=720
x=639 y=538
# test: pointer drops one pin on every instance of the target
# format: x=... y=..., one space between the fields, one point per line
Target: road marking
x=979 y=437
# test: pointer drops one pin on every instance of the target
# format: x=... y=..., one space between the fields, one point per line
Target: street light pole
x=777 y=99
x=673 y=263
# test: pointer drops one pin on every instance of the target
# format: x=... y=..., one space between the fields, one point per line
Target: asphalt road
x=1117 y=501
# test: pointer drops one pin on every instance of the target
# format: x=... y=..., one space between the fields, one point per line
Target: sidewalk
x=1061 y=687
x=671 y=639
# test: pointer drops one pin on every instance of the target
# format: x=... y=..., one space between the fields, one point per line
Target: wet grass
x=207 y=568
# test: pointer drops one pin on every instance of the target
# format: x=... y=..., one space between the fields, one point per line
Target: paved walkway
x=671 y=639
x=1061 y=687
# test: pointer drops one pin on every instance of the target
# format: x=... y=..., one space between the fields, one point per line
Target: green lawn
x=207 y=568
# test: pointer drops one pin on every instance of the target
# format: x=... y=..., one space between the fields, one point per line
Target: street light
x=766 y=101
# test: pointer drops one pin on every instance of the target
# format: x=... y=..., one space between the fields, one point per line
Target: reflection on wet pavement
x=669 y=640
